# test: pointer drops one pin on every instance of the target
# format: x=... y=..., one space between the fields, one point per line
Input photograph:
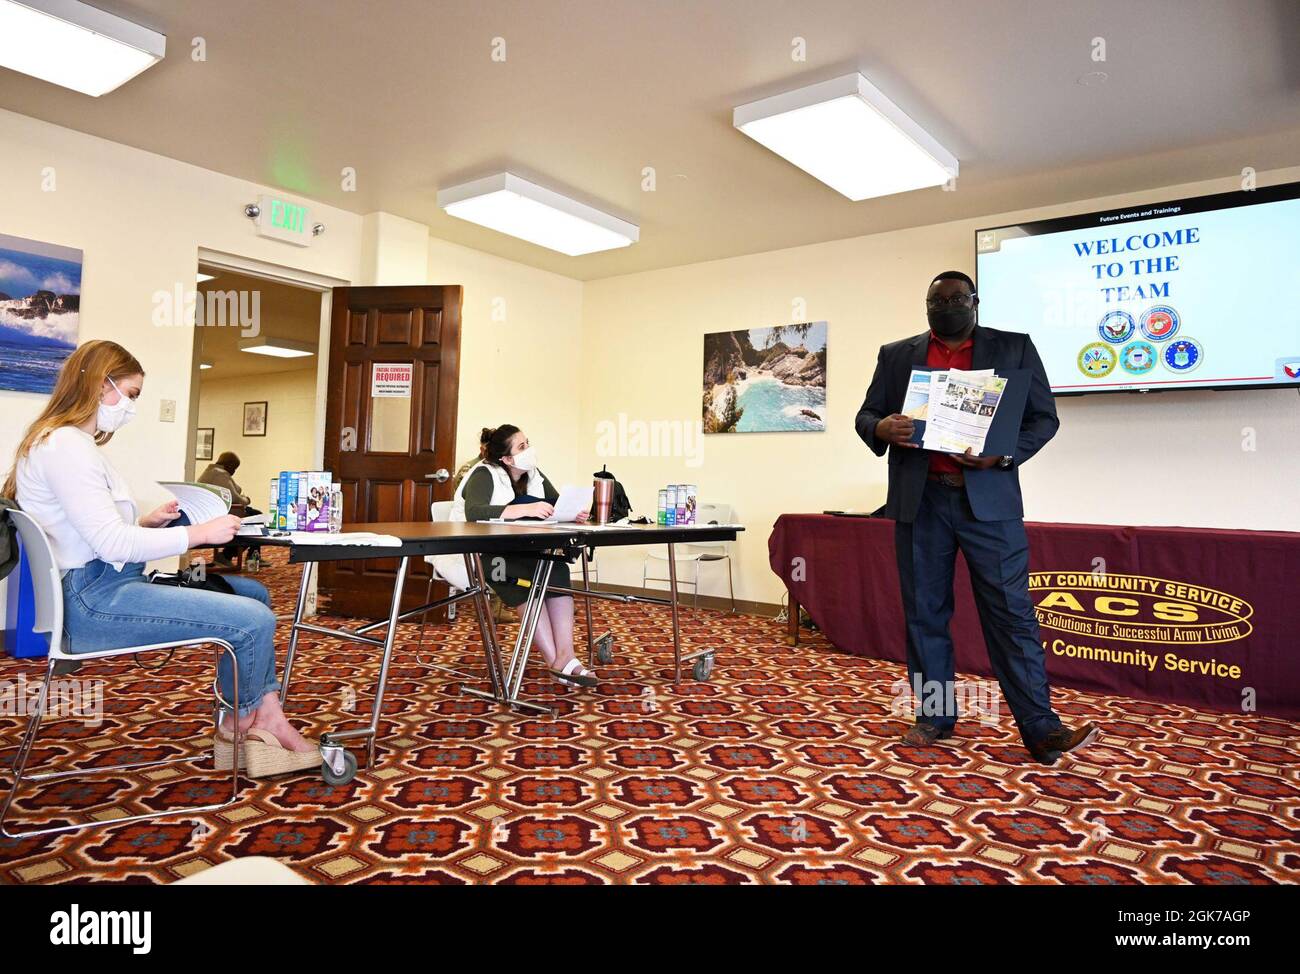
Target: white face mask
x=525 y=460
x=112 y=418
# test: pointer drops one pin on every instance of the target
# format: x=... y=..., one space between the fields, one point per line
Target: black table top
x=420 y=538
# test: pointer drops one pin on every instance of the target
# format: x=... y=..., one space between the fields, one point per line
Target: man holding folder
x=942 y=503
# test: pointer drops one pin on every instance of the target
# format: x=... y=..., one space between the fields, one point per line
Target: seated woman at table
x=507 y=484
x=65 y=482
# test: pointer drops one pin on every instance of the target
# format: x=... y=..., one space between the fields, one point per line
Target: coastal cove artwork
x=40 y=312
x=766 y=380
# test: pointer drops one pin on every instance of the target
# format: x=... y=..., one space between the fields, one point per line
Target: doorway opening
x=258 y=376
x=258 y=344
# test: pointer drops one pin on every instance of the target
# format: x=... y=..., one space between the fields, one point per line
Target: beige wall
x=521 y=352
x=290 y=426
x=140 y=220
x=521 y=339
x=1172 y=458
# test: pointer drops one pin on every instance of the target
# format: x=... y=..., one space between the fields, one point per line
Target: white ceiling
x=592 y=91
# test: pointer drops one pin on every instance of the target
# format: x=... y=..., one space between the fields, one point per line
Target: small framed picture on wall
x=255 y=419
x=203 y=443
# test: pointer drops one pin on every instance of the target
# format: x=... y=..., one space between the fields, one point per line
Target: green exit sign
x=284 y=219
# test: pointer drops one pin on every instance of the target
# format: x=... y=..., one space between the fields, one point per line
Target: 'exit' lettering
x=287 y=216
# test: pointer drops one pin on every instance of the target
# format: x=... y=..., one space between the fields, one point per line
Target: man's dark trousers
x=997 y=555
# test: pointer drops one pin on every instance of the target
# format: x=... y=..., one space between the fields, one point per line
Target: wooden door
x=393 y=453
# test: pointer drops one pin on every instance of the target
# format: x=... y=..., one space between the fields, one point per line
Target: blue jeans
x=107 y=609
x=997 y=555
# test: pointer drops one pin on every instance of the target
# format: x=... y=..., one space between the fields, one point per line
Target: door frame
x=306 y=280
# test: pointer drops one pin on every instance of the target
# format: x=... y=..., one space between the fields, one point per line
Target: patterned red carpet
x=783 y=768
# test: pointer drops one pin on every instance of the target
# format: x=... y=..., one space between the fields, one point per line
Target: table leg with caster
x=304 y=586
x=586 y=602
x=486 y=628
x=335 y=758
x=533 y=610
x=677 y=632
x=506 y=691
x=599 y=650
x=338 y=764
x=702 y=667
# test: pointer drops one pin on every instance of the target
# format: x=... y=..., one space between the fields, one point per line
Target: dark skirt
x=517 y=568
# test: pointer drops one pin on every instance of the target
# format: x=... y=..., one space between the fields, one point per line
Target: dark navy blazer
x=994 y=494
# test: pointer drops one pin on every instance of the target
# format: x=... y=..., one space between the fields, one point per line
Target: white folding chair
x=47 y=586
x=442 y=568
x=445 y=568
x=696 y=553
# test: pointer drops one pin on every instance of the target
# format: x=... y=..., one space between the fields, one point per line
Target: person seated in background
x=222 y=474
x=66 y=483
x=506 y=483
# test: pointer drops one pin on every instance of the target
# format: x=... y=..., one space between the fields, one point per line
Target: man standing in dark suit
x=942 y=503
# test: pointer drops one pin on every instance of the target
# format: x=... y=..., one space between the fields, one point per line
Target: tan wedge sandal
x=266 y=756
x=223 y=751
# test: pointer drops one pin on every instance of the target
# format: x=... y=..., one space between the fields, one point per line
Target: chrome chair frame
x=47 y=585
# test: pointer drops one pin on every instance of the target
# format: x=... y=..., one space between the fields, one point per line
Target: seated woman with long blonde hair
x=68 y=486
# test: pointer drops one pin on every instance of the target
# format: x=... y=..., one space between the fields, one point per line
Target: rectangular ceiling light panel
x=846 y=133
x=75 y=45
x=515 y=206
x=277 y=347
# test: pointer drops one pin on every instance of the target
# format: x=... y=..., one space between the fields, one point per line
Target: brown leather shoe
x=923 y=735
x=1061 y=741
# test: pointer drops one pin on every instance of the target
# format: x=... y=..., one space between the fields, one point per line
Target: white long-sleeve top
x=84 y=506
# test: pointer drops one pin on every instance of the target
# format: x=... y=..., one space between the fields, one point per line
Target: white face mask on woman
x=525 y=460
x=112 y=418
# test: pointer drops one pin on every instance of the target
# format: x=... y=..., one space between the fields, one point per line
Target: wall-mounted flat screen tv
x=1200 y=293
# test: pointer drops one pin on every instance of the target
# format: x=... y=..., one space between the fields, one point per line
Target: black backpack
x=8 y=538
x=619 y=507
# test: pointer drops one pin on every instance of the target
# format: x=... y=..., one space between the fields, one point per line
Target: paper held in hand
x=200 y=502
x=956 y=406
x=203 y=502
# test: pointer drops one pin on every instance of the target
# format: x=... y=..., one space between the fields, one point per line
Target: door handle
x=441 y=475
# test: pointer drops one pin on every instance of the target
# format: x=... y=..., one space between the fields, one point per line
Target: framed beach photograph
x=255 y=419
x=203 y=443
x=40 y=312
x=766 y=380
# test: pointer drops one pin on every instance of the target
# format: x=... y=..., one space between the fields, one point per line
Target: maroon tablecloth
x=1203 y=617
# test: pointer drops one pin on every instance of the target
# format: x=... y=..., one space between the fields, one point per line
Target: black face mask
x=950 y=320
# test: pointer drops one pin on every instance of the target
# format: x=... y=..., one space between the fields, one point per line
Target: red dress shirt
x=940 y=356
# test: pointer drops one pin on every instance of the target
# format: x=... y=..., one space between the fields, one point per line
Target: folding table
x=473 y=540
